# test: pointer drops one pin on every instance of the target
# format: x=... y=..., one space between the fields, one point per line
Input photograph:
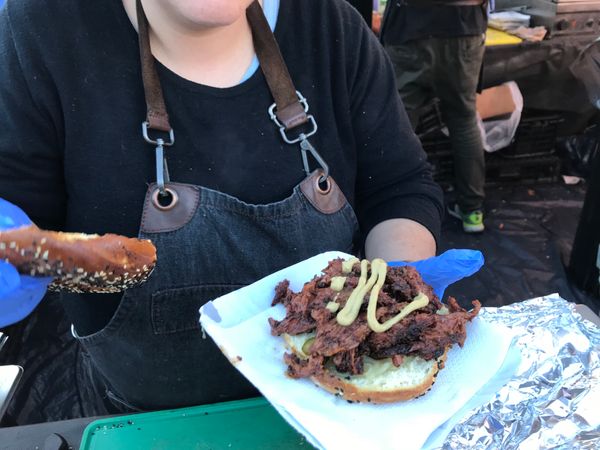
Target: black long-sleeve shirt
x=403 y=23
x=71 y=107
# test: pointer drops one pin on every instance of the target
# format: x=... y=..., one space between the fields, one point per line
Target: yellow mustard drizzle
x=332 y=306
x=349 y=313
x=348 y=264
x=420 y=301
x=443 y=311
x=337 y=283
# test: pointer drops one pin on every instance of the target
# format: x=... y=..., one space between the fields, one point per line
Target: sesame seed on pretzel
x=79 y=262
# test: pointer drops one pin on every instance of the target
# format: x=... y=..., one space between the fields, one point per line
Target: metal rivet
x=172 y=203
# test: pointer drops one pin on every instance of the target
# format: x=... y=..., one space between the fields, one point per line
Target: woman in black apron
x=151 y=354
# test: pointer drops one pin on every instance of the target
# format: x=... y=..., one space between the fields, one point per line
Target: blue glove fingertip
x=448 y=268
x=9 y=278
x=11 y=216
x=19 y=295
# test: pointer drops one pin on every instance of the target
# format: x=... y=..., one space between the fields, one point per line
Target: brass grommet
x=327 y=189
x=168 y=192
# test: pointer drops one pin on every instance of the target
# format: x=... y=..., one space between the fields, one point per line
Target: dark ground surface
x=526 y=245
x=530 y=229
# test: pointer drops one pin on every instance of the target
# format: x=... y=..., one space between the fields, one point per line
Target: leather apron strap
x=290 y=112
x=156 y=110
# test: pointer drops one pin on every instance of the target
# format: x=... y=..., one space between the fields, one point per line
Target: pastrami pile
x=426 y=332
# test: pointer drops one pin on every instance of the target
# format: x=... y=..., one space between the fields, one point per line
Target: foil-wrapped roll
x=553 y=400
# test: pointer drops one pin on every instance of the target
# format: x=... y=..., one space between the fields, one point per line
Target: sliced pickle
x=307 y=345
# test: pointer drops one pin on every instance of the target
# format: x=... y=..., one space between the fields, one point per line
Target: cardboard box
x=495 y=102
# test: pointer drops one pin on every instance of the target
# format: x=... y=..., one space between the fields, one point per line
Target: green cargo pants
x=447 y=68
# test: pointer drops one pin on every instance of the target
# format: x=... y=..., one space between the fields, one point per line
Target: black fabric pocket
x=176 y=310
x=472 y=47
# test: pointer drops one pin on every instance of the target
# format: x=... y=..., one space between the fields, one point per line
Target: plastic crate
x=439 y=155
x=535 y=136
x=437 y=145
x=430 y=120
x=499 y=169
x=530 y=158
x=443 y=168
x=530 y=169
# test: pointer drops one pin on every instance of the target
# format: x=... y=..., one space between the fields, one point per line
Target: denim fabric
x=152 y=354
x=447 y=68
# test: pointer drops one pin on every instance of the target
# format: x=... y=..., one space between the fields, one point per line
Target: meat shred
x=422 y=333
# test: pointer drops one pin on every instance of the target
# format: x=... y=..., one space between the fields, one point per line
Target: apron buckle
x=282 y=129
x=149 y=140
x=302 y=137
x=306 y=146
x=162 y=170
x=273 y=116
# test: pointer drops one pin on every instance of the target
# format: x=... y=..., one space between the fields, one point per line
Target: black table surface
x=542 y=71
x=61 y=435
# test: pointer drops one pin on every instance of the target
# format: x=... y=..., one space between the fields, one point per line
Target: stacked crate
x=530 y=158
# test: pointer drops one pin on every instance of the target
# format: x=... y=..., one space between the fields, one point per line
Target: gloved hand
x=449 y=267
x=19 y=294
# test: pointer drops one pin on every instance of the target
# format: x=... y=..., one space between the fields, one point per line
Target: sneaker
x=472 y=221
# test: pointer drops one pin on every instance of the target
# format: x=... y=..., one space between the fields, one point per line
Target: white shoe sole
x=473 y=228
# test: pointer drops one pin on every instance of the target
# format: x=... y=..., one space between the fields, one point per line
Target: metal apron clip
x=162 y=170
x=305 y=145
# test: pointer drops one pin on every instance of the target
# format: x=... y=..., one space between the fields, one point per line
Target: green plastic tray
x=245 y=424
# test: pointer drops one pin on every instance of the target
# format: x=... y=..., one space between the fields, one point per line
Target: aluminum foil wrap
x=553 y=400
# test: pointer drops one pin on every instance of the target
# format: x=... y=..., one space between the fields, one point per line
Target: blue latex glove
x=19 y=294
x=441 y=271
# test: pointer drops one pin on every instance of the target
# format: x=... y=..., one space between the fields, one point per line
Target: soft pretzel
x=79 y=262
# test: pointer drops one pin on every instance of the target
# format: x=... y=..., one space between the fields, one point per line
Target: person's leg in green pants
x=413 y=67
x=449 y=69
x=455 y=77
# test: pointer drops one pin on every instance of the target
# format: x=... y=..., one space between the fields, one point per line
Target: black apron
x=152 y=354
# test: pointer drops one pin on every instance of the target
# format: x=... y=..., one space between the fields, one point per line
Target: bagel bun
x=381 y=381
x=82 y=263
